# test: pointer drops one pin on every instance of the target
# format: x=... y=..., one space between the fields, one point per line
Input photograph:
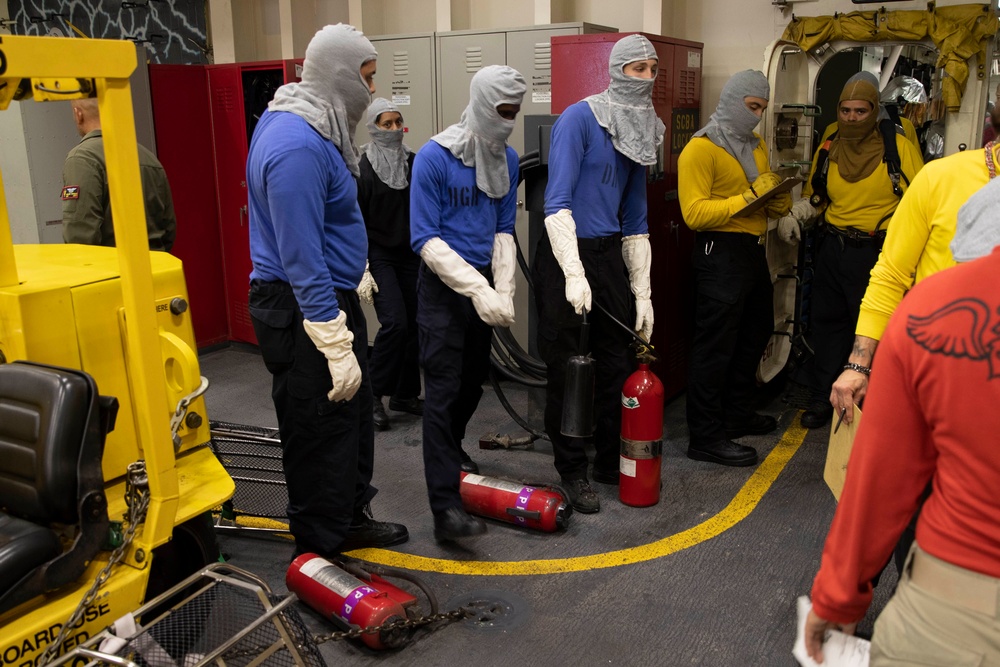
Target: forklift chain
x=137 y=500
x=400 y=624
x=182 y=407
x=356 y=633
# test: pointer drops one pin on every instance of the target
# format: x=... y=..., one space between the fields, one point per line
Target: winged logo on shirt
x=960 y=329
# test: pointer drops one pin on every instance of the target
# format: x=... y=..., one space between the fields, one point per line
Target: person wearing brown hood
x=851 y=191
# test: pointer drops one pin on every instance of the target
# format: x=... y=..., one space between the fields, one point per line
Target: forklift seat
x=53 y=511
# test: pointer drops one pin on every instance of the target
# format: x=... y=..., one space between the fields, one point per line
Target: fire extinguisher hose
x=362 y=570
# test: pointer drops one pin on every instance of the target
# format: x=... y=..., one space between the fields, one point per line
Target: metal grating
x=252 y=457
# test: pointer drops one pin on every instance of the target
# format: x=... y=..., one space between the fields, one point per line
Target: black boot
x=818 y=414
x=455 y=523
x=723 y=452
x=365 y=532
x=379 y=418
x=756 y=424
x=413 y=406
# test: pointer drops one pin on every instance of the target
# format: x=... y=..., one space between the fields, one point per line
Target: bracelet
x=864 y=370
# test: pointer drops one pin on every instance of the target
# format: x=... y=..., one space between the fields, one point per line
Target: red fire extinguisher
x=348 y=601
x=530 y=506
x=642 y=438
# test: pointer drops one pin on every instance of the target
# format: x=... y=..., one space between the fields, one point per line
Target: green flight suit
x=87 y=209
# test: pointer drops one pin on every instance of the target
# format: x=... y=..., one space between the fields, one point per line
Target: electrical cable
x=511 y=411
x=507 y=358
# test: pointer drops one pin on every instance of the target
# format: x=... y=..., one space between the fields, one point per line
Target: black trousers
x=394 y=363
x=559 y=339
x=455 y=357
x=842 y=268
x=734 y=319
x=328 y=449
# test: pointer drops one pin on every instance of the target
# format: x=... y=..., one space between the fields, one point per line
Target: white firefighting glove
x=368 y=288
x=804 y=211
x=561 y=229
x=504 y=259
x=459 y=275
x=336 y=342
x=638 y=258
x=789 y=230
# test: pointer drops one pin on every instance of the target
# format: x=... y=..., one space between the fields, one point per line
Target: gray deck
x=722 y=593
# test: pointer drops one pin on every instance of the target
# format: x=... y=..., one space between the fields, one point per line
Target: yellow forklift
x=86 y=535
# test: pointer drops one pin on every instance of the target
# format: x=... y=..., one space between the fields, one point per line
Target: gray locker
x=406 y=76
x=462 y=53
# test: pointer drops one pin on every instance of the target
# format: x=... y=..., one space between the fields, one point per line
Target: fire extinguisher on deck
x=642 y=438
x=346 y=600
x=530 y=506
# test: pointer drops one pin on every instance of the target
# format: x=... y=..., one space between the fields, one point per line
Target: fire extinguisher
x=348 y=601
x=642 y=438
x=530 y=506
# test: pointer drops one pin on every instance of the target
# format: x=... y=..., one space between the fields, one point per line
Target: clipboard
x=761 y=201
x=839 y=452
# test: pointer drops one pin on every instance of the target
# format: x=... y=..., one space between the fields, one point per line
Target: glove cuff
x=561 y=230
x=332 y=338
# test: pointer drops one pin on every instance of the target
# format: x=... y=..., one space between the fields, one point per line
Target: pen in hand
x=840 y=420
x=753 y=191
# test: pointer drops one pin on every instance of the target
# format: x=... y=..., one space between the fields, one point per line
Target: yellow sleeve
x=696 y=178
x=895 y=271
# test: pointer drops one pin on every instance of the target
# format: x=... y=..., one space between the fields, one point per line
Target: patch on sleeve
x=71 y=192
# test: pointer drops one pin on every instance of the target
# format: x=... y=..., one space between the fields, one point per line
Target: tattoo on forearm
x=861 y=353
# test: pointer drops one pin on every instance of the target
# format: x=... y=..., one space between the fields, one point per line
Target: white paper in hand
x=839 y=650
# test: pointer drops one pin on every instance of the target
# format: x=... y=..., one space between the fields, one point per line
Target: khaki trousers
x=941 y=614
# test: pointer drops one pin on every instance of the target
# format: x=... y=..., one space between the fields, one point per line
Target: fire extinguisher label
x=626 y=466
x=641 y=449
x=522 y=497
x=342 y=584
x=630 y=402
x=493 y=483
x=352 y=599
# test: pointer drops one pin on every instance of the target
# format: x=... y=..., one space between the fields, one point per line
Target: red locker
x=183 y=121
x=579 y=69
x=205 y=117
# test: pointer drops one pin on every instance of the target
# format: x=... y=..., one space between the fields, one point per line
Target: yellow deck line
x=744 y=502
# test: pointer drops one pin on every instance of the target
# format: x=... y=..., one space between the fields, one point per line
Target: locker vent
x=660 y=94
x=687 y=89
x=543 y=56
x=224 y=97
x=400 y=63
x=473 y=58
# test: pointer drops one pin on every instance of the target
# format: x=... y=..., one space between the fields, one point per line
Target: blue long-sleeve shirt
x=605 y=190
x=305 y=225
x=445 y=202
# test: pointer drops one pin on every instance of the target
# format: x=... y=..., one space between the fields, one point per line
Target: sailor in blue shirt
x=308 y=247
x=596 y=247
x=463 y=201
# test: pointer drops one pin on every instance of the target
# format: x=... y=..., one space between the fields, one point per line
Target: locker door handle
x=243 y=214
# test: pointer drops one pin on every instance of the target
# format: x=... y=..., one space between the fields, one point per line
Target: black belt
x=600 y=243
x=270 y=286
x=855 y=237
